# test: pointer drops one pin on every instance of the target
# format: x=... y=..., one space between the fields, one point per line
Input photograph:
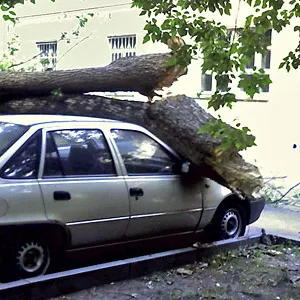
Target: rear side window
x=25 y=163
x=77 y=152
x=142 y=155
x=9 y=134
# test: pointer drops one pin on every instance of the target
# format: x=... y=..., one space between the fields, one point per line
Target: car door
x=81 y=187
x=20 y=193
x=160 y=201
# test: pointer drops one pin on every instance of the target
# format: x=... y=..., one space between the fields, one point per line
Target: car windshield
x=9 y=133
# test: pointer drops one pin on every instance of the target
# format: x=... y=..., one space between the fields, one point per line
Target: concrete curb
x=52 y=285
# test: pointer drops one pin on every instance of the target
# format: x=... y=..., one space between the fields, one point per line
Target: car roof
x=36 y=119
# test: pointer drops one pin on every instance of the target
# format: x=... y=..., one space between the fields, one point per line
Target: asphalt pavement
x=278 y=220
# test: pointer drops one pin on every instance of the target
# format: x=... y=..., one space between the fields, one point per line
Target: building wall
x=273 y=119
x=53 y=19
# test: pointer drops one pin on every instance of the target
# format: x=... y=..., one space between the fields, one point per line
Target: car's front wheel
x=229 y=222
x=30 y=258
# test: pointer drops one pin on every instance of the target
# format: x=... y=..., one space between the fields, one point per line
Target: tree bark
x=143 y=74
x=175 y=120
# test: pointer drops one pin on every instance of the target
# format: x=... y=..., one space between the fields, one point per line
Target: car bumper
x=256 y=206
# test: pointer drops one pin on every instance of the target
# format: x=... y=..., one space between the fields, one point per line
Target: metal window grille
x=48 y=54
x=122 y=46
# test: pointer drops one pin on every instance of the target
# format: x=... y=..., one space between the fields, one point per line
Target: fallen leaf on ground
x=272 y=252
x=203 y=265
x=149 y=285
x=183 y=271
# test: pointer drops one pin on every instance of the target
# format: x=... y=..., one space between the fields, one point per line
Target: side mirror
x=185 y=167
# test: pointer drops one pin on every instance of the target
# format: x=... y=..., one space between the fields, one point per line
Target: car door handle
x=61 y=196
x=136 y=192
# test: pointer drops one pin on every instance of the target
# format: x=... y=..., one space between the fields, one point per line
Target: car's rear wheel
x=229 y=222
x=30 y=258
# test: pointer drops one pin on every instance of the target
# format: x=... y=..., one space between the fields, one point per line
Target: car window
x=77 y=152
x=142 y=155
x=25 y=163
x=10 y=133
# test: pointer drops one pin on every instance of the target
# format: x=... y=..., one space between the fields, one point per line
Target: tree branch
x=24 y=62
x=287 y=192
x=70 y=49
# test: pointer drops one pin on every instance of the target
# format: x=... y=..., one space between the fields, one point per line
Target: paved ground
x=281 y=220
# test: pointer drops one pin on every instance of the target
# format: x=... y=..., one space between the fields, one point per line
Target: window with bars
x=260 y=61
x=48 y=54
x=122 y=46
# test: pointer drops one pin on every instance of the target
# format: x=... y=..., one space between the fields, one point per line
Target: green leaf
x=281 y=65
x=227 y=136
x=171 y=61
x=146 y=38
x=248 y=21
x=4 y=8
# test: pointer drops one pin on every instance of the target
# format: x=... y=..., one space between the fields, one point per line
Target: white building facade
x=116 y=30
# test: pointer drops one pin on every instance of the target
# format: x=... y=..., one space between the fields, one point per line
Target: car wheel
x=229 y=222
x=30 y=258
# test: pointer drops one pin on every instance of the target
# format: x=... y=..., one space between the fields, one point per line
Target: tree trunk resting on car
x=174 y=120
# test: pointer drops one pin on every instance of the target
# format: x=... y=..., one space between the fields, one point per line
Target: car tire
x=29 y=258
x=229 y=222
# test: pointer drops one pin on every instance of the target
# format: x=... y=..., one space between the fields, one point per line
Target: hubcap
x=230 y=225
x=31 y=257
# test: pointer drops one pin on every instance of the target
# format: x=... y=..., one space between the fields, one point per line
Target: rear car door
x=19 y=188
x=81 y=186
x=160 y=202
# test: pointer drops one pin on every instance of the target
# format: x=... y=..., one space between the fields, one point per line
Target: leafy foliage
x=230 y=137
x=7 y=60
x=293 y=58
x=224 y=53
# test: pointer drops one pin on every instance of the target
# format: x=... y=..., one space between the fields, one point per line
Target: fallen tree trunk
x=175 y=120
x=143 y=74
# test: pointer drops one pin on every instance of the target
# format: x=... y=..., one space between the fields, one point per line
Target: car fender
x=54 y=233
x=213 y=195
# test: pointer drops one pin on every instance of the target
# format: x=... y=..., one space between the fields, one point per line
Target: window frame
x=42 y=55
x=64 y=174
x=257 y=61
x=58 y=156
x=116 y=43
x=170 y=152
x=204 y=77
